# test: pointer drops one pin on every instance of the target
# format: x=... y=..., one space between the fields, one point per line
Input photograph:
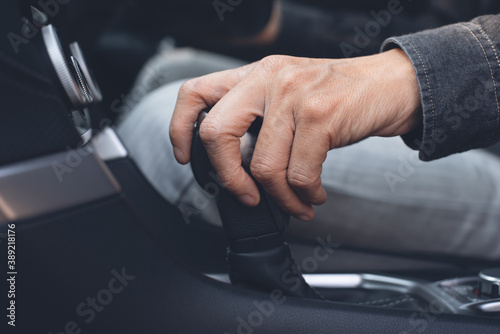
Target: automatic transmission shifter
x=489 y=283
x=258 y=256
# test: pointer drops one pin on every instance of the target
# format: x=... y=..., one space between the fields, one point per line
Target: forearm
x=359 y=28
x=458 y=72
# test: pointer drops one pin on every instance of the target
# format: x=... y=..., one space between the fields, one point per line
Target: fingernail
x=247 y=200
x=178 y=154
x=304 y=218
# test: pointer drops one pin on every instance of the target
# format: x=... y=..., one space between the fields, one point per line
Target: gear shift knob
x=258 y=256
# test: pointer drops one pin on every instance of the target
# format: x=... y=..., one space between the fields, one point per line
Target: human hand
x=308 y=106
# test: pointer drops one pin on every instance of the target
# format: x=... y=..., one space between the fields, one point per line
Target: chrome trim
x=350 y=281
x=39 y=17
x=452 y=282
x=224 y=278
x=486 y=306
x=77 y=52
x=82 y=81
x=387 y=283
x=327 y=281
x=487 y=277
x=86 y=136
x=53 y=183
x=63 y=71
x=336 y=281
x=82 y=121
x=108 y=145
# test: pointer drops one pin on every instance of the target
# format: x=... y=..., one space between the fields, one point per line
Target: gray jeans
x=380 y=195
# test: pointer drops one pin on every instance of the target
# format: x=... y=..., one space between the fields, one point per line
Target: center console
x=464 y=295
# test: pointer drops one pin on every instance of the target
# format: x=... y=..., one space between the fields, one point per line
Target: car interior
x=99 y=250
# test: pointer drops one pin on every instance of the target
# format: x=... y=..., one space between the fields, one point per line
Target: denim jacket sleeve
x=458 y=72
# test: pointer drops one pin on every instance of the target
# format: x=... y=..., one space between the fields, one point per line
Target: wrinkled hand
x=309 y=107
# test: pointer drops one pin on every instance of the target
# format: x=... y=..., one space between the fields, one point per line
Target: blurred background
x=119 y=36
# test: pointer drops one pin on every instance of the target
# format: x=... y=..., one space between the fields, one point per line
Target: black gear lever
x=258 y=256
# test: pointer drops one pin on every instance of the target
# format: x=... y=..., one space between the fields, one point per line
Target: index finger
x=221 y=131
x=194 y=96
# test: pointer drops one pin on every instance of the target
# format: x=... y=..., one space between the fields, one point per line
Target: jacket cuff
x=458 y=73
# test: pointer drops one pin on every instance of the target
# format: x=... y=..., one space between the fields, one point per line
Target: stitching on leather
x=376 y=301
x=429 y=87
x=491 y=70
x=400 y=301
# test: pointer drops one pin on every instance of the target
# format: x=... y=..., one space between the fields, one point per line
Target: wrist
x=405 y=113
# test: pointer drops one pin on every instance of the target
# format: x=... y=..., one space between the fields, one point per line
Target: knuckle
x=299 y=178
x=289 y=207
x=314 y=110
x=288 y=80
x=263 y=170
x=210 y=131
x=273 y=63
x=319 y=200
x=226 y=180
x=228 y=177
x=317 y=104
x=188 y=87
